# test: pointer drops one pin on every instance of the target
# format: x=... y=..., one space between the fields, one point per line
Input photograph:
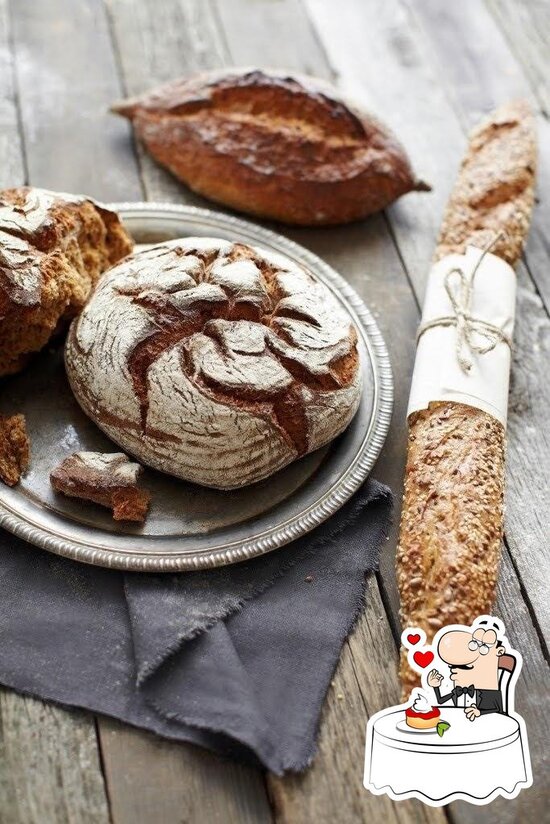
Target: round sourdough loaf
x=213 y=361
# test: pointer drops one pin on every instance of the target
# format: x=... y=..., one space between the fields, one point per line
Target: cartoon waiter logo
x=458 y=736
x=472 y=656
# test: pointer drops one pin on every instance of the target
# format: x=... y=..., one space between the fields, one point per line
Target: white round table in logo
x=472 y=759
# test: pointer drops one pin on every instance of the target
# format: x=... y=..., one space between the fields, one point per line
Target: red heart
x=423 y=658
x=413 y=638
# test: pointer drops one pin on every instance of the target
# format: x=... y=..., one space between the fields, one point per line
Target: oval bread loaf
x=215 y=362
x=276 y=146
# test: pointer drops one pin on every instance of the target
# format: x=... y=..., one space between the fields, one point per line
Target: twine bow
x=469 y=330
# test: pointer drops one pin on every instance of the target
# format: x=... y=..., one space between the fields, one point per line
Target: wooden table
x=430 y=68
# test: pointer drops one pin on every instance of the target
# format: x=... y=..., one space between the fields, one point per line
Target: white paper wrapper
x=437 y=374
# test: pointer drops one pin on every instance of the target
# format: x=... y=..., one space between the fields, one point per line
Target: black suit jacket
x=485 y=700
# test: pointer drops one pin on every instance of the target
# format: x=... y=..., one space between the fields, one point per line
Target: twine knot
x=472 y=334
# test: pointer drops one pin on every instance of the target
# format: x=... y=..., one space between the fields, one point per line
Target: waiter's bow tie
x=465 y=690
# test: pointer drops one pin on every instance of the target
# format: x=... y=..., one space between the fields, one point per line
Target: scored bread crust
x=452 y=516
x=214 y=361
x=53 y=248
x=284 y=147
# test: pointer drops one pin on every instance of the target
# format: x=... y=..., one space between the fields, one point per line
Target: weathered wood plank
x=365 y=682
x=527 y=26
x=270 y=35
x=157 y=42
x=151 y=779
x=391 y=39
x=470 y=54
x=390 y=36
x=480 y=72
x=12 y=168
x=381 y=61
x=49 y=761
x=527 y=30
x=66 y=80
x=365 y=254
x=49 y=765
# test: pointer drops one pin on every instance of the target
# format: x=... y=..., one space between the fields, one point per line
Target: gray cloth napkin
x=236 y=659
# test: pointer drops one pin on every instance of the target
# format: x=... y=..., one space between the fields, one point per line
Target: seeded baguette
x=452 y=516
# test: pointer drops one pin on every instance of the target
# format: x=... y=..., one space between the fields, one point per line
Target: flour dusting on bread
x=215 y=361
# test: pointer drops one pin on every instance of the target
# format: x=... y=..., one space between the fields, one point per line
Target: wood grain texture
x=365 y=255
x=155 y=42
x=527 y=26
x=158 y=41
x=364 y=682
x=12 y=168
x=62 y=41
x=153 y=780
x=481 y=69
x=399 y=50
x=270 y=34
x=49 y=765
x=367 y=41
x=66 y=80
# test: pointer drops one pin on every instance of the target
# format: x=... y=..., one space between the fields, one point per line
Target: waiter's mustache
x=461 y=666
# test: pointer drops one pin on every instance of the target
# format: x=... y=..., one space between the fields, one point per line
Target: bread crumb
x=14 y=448
x=106 y=479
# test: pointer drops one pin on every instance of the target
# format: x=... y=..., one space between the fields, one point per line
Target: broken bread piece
x=109 y=479
x=14 y=448
x=53 y=249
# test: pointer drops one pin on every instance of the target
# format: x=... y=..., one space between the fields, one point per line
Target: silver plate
x=190 y=527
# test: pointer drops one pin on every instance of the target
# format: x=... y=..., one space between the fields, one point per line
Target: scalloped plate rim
x=328 y=502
